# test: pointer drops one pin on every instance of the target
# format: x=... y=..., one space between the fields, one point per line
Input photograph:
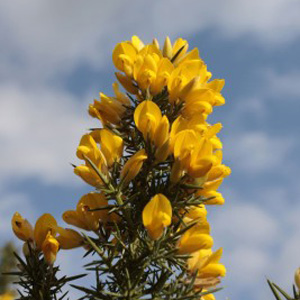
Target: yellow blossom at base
x=7 y=296
x=50 y=248
x=157 y=215
x=21 y=227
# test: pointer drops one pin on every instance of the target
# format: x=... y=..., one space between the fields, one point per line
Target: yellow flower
x=88 y=174
x=181 y=76
x=50 y=247
x=44 y=225
x=137 y=43
x=21 y=227
x=109 y=109
x=157 y=215
x=88 y=149
x=133 y=166
x=179 y=45
x=143 y=64
x=195 y=123
x=199 y=102
x=162 y=152
x=198 y=212
x=154 y=126
x=68 y=238
x=208 y=296
x=184 y=144
x=73 y=217
x=217 y=85
x=202 y=159
x=216 y=197
x=214 y=179
x=147 y=117
x=127 y=83
x=111 y=146
x=195 y=238
x=218 y=171
x=145 y=68
x=82 y=217
x=195 y=153
x=8 y=296
x=170 y=50
x=119 y=96
x=163 y=72
x=206 y=263
x=161 y=135
x=124 y=56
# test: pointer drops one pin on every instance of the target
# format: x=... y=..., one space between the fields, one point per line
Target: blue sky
x=55 y=58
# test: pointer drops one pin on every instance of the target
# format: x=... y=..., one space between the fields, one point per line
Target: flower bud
x=133 y=166
x=167 y=50
x=22 y=228
x=155 y=43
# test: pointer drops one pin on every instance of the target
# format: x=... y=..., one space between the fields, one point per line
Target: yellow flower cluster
x=188 y=140
x=46 y=236
x=162 y=124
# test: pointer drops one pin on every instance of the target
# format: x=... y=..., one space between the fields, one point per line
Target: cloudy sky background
x=56 y=56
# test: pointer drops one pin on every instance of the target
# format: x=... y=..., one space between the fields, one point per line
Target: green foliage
x=7 y=264
x=280 y=294
x=38 y=280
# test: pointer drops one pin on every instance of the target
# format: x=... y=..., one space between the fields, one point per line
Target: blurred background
x=56 y=56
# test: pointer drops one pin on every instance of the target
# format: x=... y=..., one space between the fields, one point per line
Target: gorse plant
x=156 y=165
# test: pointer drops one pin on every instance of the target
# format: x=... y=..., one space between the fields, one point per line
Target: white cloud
x=258 y=151
x=260 y=240
x=235 y=222
x=39 y=132
x=48 y=38
x=268 y=21
x=282 y=85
